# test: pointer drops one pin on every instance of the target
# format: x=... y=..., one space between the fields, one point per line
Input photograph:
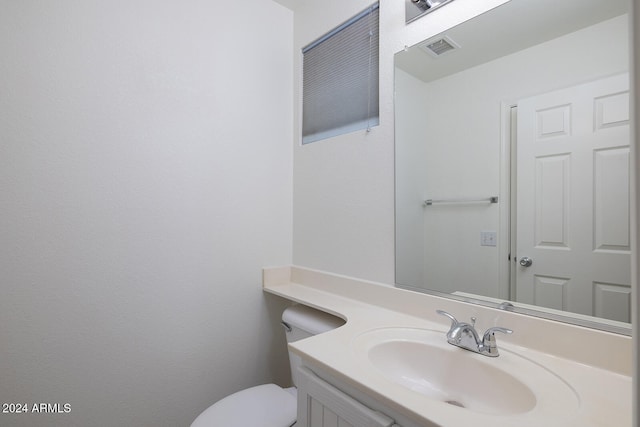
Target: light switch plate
x=488 y=238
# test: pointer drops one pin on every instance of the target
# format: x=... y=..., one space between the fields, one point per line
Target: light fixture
x=428 y=4
x=417 y=8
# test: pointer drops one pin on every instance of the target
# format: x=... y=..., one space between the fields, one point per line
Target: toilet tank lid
x=310 y=320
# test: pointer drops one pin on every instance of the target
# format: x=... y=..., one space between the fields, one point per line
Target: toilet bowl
x=270 y=405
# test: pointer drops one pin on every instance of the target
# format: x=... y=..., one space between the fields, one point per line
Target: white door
x=573 y=205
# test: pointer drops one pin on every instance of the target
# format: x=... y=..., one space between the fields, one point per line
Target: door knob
x=526 y=261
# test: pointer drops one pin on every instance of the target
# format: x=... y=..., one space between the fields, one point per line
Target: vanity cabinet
x=320 y=404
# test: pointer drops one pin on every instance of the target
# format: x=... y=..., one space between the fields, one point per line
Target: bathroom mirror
x=512 y=162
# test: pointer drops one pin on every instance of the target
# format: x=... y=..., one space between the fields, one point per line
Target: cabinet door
x=322 y=405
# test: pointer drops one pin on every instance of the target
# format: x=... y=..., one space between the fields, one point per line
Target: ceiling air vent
x=439 y=47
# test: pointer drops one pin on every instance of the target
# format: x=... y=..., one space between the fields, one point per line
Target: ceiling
x=511 y=27
x=287 y=3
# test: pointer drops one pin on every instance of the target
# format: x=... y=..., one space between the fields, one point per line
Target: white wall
x=343 y=218
x=145 y=180
x=338 y=224
x=410 y=151
x=465 y=161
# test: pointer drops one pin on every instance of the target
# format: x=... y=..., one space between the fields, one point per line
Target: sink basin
x=422 y=362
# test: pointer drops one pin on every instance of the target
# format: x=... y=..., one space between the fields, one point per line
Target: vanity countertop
x=595 y=364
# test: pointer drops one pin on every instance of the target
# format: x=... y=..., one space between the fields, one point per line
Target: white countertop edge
x=601 y=349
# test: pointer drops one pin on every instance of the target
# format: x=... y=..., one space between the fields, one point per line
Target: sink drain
x=454 y=403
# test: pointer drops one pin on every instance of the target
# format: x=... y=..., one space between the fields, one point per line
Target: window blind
x=340 y=79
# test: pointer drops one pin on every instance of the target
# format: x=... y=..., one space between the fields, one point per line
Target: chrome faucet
x=464 y=335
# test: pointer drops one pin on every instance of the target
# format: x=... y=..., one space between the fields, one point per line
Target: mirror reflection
x=512 y=160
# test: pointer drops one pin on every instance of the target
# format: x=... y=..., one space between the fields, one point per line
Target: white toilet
x=269 y=405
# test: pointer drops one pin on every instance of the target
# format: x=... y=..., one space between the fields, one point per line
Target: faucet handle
x=489 y=332
x=489 y=340
x=454 y=321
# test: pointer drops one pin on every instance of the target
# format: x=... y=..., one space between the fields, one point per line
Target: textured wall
x=145 y=180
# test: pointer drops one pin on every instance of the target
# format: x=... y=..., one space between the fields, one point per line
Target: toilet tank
x=302 y=322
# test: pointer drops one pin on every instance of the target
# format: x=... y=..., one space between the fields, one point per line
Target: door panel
x=573 y=209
